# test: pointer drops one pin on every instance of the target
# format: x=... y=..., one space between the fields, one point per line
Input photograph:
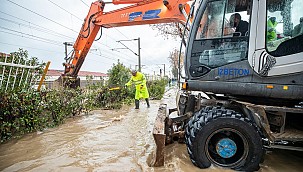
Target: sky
x=41 y=27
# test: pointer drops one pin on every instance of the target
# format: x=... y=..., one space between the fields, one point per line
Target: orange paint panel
x=117 y=2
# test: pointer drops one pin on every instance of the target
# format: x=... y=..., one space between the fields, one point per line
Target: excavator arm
x=141 y=13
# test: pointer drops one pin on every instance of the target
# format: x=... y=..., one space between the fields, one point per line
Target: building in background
x=85 y=78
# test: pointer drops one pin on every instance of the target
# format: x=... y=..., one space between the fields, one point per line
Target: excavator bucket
x=159 y=135
x=67 y=81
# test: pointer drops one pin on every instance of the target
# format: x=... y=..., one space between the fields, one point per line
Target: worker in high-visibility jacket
x=139 y=80
x=271 y=29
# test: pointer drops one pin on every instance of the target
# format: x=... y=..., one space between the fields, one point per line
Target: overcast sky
x=41 y=27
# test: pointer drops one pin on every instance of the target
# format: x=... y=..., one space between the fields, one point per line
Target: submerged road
x=113 y=140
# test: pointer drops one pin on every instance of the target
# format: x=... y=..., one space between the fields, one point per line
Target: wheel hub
x=226 y=148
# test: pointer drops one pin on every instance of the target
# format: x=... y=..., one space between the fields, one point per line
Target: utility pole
x=139 y=57
x=163 y=69
x=67 y=44
x=137 y=54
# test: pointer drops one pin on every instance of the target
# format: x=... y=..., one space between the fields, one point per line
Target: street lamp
x=139 y=58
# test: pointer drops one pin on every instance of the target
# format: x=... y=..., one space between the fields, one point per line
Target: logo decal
x=150 y=14
x=233 y=72
x=134 y=15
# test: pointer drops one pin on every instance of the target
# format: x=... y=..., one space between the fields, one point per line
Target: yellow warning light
x=270 y=86
x=184 y=85
x=285 y=87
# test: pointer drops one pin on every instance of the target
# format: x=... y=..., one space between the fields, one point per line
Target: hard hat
x=134 y=72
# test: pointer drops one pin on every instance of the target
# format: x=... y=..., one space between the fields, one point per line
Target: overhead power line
x=46 y=17
x=118 y=55
x=30 y=23
x=41 y=15
x=104 y=57
x=51 y=41
x=84 y=3
x=64 y=10
x=36 y=28
x=81 y=20
x=22 y=46
x=30 y=35
x=30 y=38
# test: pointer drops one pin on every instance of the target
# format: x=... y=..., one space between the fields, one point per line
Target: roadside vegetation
x=24 y=110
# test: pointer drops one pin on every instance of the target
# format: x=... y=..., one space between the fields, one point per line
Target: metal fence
x=17 y=72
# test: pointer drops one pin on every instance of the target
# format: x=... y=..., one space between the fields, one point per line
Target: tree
x=174 y=61
x=118 y=75
x=167 y=30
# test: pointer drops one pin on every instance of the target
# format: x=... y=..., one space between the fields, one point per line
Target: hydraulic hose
x=88 y=25
x=100 y=35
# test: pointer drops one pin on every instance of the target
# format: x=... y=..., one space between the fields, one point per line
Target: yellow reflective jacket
x=140 y=82
x=271 y=30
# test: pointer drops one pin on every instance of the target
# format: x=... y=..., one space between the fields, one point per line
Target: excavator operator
x=139 y=80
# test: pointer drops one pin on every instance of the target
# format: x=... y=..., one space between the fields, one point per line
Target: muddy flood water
x=113 y=141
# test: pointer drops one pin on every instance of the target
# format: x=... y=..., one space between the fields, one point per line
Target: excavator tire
x=225 y=138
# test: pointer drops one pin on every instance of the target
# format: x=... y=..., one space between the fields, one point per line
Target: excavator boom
x=141 y=13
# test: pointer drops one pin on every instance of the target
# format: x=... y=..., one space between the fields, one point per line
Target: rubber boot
x=137 y=104
x=147 y=102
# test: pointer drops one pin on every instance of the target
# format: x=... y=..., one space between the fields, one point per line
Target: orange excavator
x=142 y=12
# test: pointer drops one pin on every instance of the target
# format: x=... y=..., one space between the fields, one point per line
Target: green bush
x=113 y=99
x=156 y=88
x=23 y=111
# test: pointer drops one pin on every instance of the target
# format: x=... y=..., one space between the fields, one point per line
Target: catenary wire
x=30 y=35
x=30 y=38
x=65 y=10
x=22 y=46
x=37 y=25
x=41 y=16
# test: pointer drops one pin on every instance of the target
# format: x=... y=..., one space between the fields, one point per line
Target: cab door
x=218 y=45
x=278 y=47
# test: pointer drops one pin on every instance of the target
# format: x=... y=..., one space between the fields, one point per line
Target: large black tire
x=225 y=138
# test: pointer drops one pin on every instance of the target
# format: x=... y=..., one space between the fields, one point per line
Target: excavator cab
x=243 y=89
x=231 y=52
x=214 y=39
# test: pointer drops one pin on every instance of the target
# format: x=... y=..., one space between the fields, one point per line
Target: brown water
x=112 y=141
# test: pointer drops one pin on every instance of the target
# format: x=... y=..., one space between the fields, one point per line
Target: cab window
x=222 y=34
x=284 y=27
